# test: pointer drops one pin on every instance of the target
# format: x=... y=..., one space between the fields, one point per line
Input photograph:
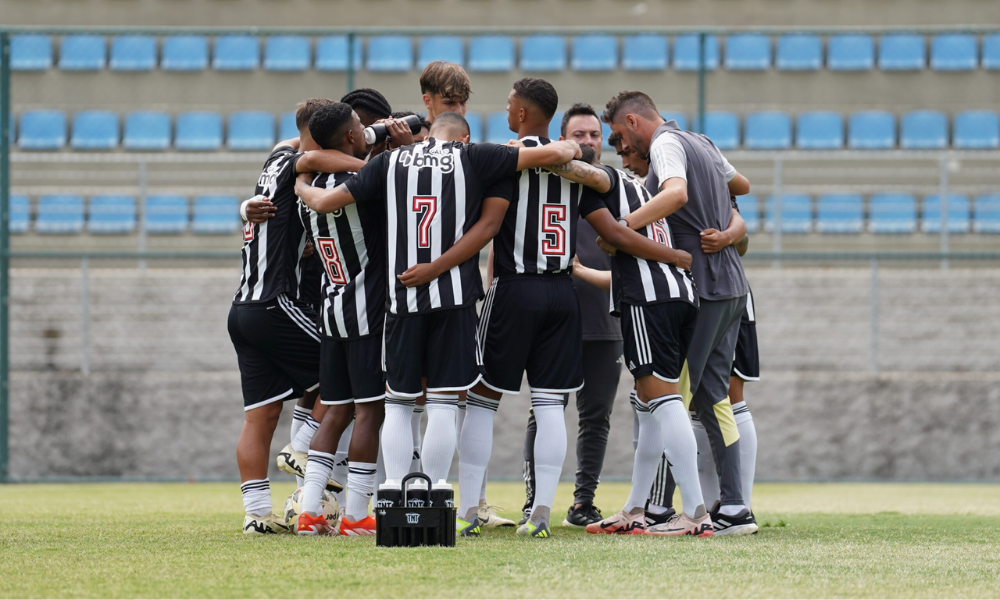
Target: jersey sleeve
x=592 y=200
x=286 y=176
x=369 y=183
x=501 y=188
x=668 y=159
x=728 y=169
x=492 y=162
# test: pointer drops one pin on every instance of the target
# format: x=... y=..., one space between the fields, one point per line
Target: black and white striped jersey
x=271 y=249
x=538 y=234
x=634 y=280
x=433 y=193
x=350 y=243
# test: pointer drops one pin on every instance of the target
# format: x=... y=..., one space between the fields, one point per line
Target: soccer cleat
x=659 y=519
x=742 y=523
x=294 y=462
x=525 y=515
x=466 y=529
x=307 y=524
x=681 y=524
x=489 y=518
x=365 y=526
x=621 y=523
x=530 y=529
x=582 y=516
x=266 y=524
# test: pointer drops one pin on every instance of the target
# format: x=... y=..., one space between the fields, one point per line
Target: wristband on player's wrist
x=243 y=209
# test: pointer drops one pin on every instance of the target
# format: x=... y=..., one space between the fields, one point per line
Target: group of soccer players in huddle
x=360 y=284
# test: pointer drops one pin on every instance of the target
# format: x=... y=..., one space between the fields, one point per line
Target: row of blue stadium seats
x=886 y=213
x=767 y=130
x=831 y=213
x=646 y=52
x=165 y=214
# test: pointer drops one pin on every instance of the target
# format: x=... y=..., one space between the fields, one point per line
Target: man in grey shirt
x=691 y=183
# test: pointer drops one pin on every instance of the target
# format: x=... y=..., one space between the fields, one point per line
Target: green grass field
x=816 y=540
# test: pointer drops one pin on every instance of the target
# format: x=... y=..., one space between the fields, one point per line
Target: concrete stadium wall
x=163 y=399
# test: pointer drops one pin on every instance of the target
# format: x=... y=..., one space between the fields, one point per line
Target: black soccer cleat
x=582 y=516
x=654 y=519
x=743 y=523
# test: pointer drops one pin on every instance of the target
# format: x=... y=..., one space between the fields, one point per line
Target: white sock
x=681 y=449
x=317 y=474
x=397 y=436
x=460 y=421
x=440 y=439
x=648 y=451
x=257 y=497
x=707 y=474
x=340 y=463
x=475 y=447
x=550 y=451
x=361 y=487
x=380 y=464
x=748 y=448
x=304 y=436
x=656 y=509
x=415 y=422
x=633 y=399
x=299 y=416
x=482 y=490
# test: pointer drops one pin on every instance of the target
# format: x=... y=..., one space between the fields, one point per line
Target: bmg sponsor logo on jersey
x=440 y=159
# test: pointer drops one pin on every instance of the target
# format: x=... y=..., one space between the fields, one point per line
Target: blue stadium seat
x=892 y=213
x=30 y=52
x=82 y=53
x=440 y=47
x=555 y=124
x=681 y=118
x=111 y=214
x=840 y=213
x=954 y=52
x=166 y=214
x=543 y=53
x=645 y=53
x=850 y=52
x=185 y=53
x=595 y=53
x=250 y=130
x=686 y=52
x=287 y=53
x=799 y=52
x=59 y=214
x=750 y=211
x=286 y=126
x=390 y=53
x=147 y=130
x=723 y=128
x=20 y=214
x=871 y=129
x=236 y=53
x=987 y=214
x=748 y=52
x=796 y=214
x=922 y=129
x=958 y=214
x=491 y=53
x=42 y=130
x=991 y=52
x=497 y=131
x=902 y=52
x=820 y=130
x=216 y=214
x=331 y=53
x=198 y=131
x=95 y=130
x=133 y=53
x=767 y=130
x=475 y=121
x=976 y=129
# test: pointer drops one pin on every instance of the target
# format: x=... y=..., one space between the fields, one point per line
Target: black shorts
x=746 y=364
x=351 y=370
x=277 y=345
x=532 y=323
x=657 y=337
x=438 y=345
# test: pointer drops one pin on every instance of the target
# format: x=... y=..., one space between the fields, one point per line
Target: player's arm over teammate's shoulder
x=583 y=172
x=367 y=185
x=327 y=161
x=595 y=277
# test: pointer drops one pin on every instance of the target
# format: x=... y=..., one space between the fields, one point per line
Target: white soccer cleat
x=264 y=524
x=489 y=518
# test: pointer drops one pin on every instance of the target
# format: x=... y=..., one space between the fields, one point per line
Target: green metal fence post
x=350 y=61
x=701 y=82
x=4 y=250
